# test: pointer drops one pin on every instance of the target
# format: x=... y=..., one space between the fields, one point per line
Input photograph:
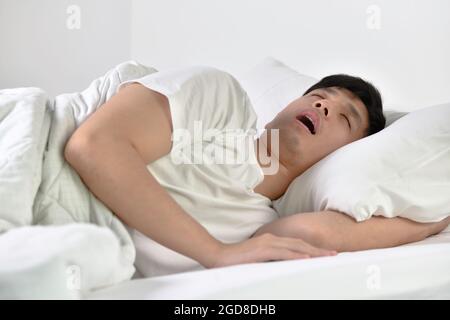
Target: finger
x=437 y=227
x=277 y=254
x=317 y=252
x=304 y=247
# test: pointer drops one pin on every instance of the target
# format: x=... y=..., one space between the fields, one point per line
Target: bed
x=37 y=261
x=415 y=271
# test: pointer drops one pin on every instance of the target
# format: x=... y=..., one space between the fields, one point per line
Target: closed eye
x=321 y=97
x=348 y=121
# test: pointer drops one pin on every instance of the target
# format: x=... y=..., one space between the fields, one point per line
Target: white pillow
x=404 y=170
x=271 y=86
x=392 y=116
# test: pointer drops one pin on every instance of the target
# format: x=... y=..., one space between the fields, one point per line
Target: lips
x=310 y=119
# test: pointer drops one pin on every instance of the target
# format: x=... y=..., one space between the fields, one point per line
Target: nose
x=319 y=104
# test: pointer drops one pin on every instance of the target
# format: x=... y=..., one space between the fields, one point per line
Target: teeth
x=312 y=123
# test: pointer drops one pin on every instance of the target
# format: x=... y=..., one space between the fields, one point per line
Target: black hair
x=362 y=89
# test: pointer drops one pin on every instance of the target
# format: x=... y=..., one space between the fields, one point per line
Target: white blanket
x=418 y=270
x=59 y=262
x=38 y=187
x=24 y=126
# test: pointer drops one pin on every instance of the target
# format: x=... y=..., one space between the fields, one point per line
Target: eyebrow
x=351 y=107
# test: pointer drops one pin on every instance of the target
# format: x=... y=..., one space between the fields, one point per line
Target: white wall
x=37 y=48
x=408 y=58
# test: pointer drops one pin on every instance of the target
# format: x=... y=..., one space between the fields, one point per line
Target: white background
x=37 y=49
x=408 y=57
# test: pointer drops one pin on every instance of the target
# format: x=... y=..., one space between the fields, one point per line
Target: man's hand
x=337 y=231
x=437 y=227
x=267 y=247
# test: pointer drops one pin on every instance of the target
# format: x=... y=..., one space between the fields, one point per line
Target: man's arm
x=110 y=152
x=337 y=231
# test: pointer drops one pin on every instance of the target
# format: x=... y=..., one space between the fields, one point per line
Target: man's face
x=317 y=124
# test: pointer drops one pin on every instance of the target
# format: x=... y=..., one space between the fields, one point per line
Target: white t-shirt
x=203 y=172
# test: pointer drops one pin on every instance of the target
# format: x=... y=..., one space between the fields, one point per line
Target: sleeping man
x=176 y=157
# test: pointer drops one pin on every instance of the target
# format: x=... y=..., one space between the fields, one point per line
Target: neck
x=275 y=184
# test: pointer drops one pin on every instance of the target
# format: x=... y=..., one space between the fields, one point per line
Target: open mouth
x=308 y=122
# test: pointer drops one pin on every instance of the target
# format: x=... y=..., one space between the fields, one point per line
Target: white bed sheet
x=416 y=271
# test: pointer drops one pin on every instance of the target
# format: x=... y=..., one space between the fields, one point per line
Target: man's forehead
x=339 y=91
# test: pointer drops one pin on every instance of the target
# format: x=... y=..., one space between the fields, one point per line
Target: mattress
x=420 y=270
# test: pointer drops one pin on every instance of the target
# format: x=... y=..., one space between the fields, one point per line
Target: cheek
x=290 y=142
x=332 y=142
